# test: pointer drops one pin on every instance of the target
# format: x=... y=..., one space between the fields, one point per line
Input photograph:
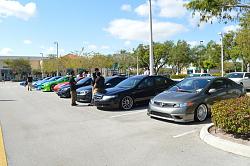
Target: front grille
x=161 y=104
x=166 y=115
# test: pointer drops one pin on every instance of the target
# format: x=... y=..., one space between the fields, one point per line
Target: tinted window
x=130 y=82
x=84 y=81
x=148 y=82
x=219 y=84
x=160 y=81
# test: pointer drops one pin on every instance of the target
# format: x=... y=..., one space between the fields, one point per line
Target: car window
x=235 y=75
x=148 y=82
x=160 y=81
x=247 y=75
x=219 y=84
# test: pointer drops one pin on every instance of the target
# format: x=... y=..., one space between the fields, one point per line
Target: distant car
x=64 y=91
x=242 y=78
x=131 y=91
x=199 y=75
x=192 y=98
x=48 y=87
x=60 y=85
x=34 y=84
x=84 y=94
x=23 y=83
x=39 y=85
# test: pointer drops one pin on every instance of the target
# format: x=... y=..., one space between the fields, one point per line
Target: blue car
x=39 y=85
x=34 y=84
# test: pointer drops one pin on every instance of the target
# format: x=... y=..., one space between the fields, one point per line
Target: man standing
x=29 y=81
x=72 y=83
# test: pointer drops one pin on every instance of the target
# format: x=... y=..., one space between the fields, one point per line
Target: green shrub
x=180 y=76
x=233 y=115
x=216 y=74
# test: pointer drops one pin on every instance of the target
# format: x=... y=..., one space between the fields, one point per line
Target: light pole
x=201 y=42
x=57 y=71
x=42 y=65
x=151 y=53
x=222 y=54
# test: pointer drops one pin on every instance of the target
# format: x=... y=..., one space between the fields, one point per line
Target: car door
x=144 y=90
x=246 y=81
x=220 y=91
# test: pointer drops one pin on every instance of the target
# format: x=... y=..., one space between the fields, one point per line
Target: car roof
x=206 y=77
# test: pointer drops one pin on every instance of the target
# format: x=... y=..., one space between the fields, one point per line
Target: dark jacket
x=72 y=83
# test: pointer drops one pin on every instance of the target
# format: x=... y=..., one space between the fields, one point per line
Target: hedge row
x=180 y=76
x=233 y=115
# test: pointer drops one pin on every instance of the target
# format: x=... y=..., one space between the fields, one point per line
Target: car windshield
x=235 y=75
x=107 y=79
x=82 y=81
x=190 y=85
x=130 y=82
x=54 y=78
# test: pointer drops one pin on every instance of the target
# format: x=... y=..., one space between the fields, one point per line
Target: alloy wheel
x=201 y=112
x=127 y=103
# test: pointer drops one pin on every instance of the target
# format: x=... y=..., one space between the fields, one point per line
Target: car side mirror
x=212 y=91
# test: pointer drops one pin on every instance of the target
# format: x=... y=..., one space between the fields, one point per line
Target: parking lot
x=40 y=128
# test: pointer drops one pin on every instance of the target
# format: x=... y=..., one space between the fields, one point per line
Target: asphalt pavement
x=40 y=129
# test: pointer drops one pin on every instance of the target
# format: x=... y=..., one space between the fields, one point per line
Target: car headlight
x=180 y=105
x=108 y=97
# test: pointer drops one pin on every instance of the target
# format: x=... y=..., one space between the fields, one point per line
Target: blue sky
x=30 y=27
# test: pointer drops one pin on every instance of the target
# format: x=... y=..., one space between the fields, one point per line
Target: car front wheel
x=201 y=113
x=127 y=103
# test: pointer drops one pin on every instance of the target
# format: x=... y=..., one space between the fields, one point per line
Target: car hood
x=85 y=88
x=236 y=79
x=174 y=97
x=114 y=90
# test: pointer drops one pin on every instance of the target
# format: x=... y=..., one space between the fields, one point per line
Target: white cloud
x=226 y=29
x=139 y=30
x=27 y=42
x=171 y=8
x=126 y=8
x=15 y=8
x=6 y=51
x=142 y=10
x=165 y=8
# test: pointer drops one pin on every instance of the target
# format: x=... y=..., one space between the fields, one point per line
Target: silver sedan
x=192 y=98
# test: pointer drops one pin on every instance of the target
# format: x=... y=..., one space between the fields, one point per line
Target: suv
x=242 y=78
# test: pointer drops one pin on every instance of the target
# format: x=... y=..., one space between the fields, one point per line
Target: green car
x=48 y=86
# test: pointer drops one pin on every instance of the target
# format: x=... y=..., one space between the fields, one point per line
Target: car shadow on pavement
x=207 y=121
x=138 y=107
x=7 y=100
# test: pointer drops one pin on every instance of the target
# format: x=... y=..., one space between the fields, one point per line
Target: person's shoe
x=74 y=104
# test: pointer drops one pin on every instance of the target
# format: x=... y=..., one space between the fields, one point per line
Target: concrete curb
x=222 y=144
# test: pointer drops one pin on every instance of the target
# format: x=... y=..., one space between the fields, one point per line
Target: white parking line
x=131 y=113
x=183 y=134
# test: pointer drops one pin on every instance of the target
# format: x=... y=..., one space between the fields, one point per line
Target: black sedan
x=64 y=91
x=84 y=94
x=133 y=90
x=192 y=98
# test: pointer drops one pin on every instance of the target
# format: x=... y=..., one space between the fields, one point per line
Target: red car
x=58 y=86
